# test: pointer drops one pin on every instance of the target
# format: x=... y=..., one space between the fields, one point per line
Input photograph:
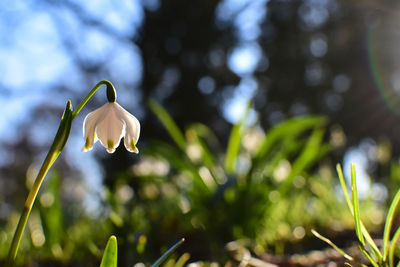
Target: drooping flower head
x=109 y=124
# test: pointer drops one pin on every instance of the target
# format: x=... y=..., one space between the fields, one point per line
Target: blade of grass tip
x=393 y=246
x=329 y=242
x=234 y=143
x=168 y=253
x=344 y=187
x=350 y=205
x=356 y=215
x=168 y=123
x=388 y=224
x=356 y=207
x=110 y=253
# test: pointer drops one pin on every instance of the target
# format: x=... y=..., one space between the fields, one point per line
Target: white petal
x=132 y=130
x=110 y=129
x=89 y=126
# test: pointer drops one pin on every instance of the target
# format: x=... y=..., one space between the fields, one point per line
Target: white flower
x=108 y=124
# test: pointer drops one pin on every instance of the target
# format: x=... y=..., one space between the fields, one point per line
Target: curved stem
x=55 y=150
x=110 y=88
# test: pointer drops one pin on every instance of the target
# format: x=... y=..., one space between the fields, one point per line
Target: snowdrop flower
x=109 y=124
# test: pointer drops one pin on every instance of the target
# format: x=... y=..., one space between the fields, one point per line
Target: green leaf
x=64 y=129
x=182 y=260
x=179 y=161
x=312 y=151
x=344 y=187
x=110 y=253
x=233 y=149
x=356 y=215
x=393 y=244
x=369 y=257
x=168 y=123
x=329 y=242
x=291 y=127
x=195 y=137
x=356 y=207
x=367 y=236
x=388 y=224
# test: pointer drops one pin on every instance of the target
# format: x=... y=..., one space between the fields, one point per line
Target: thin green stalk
x=329 y=242
x=110 y=91
x=169 y=124
x=344 y=187
x=367 y=236
x=388 y=224
x=357 y=220
x=235 y=138
x=168 y=253
x=50 y=158
x=369 y=257
x=55 y=150
x=356 y=207
x=393 y=246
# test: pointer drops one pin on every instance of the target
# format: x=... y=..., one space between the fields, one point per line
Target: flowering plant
x=107 y=124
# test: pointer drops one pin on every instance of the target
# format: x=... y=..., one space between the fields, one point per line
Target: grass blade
x=388 y=224
x=369 y=257
x=356 y=215
x=234 y=143
x=367 y=236
x=393 y=246
x=311 y=152
x=168 y=253
x=291 y=127
x=344 y=187
x=356 y=208
x=110 y=253
x=329 y=242
x=168 y=123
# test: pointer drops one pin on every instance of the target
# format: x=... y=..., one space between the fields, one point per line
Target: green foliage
x=367 y=245
x=233 y=149
x=110 y=253
x=260 y=190
x=265 y=189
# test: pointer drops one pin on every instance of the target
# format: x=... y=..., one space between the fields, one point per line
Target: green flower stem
x=55 y=150
x=50 y=158
x=110 y=93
